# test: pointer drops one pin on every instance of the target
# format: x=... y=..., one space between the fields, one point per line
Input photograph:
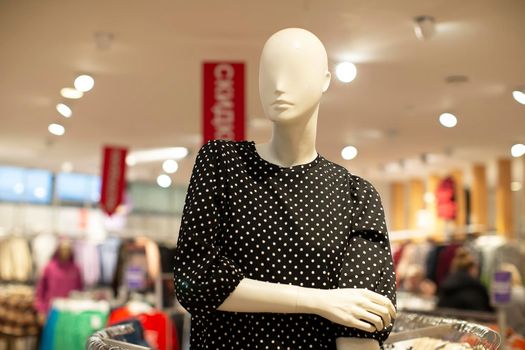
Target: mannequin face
x=64 y=251
x=293 y=74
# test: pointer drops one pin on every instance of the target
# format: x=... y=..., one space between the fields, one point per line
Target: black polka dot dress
x=313 y=225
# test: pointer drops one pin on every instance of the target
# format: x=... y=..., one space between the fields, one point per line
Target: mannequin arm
x=347 y=306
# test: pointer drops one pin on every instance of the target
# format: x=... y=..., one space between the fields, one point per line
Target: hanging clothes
x=159 y=330
x=446 y=199
x=16 y=262
x=43 y=247
x=88 y=260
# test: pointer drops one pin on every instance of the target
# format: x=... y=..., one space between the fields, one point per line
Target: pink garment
x=57 y=281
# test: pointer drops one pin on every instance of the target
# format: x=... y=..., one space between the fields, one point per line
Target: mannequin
x=292 y=79
x=60 y=276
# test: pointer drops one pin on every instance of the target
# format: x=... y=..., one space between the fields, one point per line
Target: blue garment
x=108 y=252
x=47 y=340
x=137 y=337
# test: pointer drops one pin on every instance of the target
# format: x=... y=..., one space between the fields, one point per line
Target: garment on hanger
x=159 y=331
x=108 y=252
x=16 y=262
x=246 y=217
x=88 y=260
x=43 y=246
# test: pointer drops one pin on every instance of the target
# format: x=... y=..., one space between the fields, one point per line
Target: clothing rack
x=104 y=339
x=409 y=326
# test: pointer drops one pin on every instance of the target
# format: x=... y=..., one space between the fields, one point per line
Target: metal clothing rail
x=408 y=326
x=104 y=339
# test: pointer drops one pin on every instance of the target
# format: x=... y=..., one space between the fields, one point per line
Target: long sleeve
x=368 y=240
x=204 y=277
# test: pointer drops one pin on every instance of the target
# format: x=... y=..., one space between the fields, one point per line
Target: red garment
x=446 y=255
x=159 y=331
x=446 y=201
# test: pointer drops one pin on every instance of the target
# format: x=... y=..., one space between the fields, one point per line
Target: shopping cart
x=105 y=339
x=411 y=326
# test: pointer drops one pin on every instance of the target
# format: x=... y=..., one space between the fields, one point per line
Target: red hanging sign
x=223 y=101
x=113 y=178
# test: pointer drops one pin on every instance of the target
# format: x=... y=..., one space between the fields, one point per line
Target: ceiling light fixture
x=346 y=72
x=519 y=96
x=424 y=27
x=170 y=166
x=448 y=120
x=84 y=83
x=56 y=129
x=517 y=150
x=164 y=181
x=64 y=110
x=71 y=93
x=349 y=152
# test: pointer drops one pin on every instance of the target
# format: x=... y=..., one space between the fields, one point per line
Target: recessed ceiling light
x=349 y=152
x=64 y=110
x=71 y=93
x=517 y=150
x=519 y=96
x=56 y=129
x=170 y=166
x=448 y=120
x=164 y=181
x=84 y=83
x=346 y=72
x=515 y=186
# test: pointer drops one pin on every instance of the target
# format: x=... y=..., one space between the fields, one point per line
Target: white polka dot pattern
x=313 y=225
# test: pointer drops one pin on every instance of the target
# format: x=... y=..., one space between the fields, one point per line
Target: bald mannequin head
x=293 y=74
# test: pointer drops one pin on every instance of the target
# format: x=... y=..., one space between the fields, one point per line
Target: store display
x=279 y=233
x=71 y=322
x=159 y=331
x=378 y=203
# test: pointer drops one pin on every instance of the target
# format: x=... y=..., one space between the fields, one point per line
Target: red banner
x=113 y=178
x=223 y=101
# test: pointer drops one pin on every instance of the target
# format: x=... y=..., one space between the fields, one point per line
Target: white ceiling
x=147 y=90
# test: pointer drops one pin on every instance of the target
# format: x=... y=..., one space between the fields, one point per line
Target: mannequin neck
x=292 y=142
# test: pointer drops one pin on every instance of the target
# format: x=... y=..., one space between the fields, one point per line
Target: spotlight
x=519 y=96
x=84 y=83
x=346 y=72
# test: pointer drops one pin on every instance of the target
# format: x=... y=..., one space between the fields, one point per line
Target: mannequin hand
x=351 y=307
